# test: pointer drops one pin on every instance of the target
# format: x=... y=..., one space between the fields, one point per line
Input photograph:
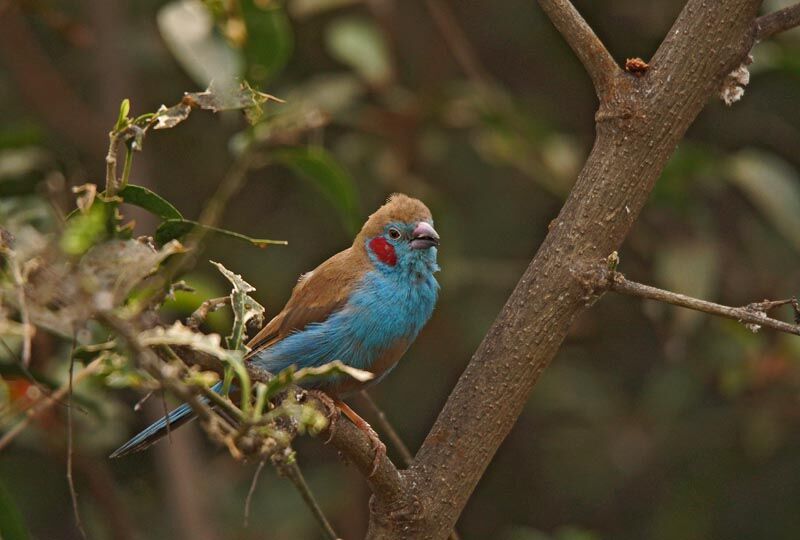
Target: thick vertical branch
x=638 y=128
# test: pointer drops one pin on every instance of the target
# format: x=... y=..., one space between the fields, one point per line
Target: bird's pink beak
x=424 y=236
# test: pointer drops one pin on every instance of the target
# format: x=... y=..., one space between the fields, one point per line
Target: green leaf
x=171 y=229
x=773 y=186
x=187 y=28
x=317 y=165
x=144 y=198
x=124 y=109
x=269 y=40
x=85 y=230
x=357 y=42
x=12 y=526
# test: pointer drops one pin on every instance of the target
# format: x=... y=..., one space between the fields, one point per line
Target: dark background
x=653 y=422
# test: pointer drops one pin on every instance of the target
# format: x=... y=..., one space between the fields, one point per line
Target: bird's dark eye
x=394 y=234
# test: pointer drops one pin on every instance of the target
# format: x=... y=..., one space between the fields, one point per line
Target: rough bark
x=639 y=123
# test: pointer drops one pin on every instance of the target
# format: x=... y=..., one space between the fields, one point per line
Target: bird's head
x=400 y=236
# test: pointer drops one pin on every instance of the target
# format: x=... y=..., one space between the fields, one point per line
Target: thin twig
x=27 y=328
x=584 y=42
x=138 y=406
x=458 y=44
x=45 y=402
x=112 y=184
x=387 y=429
x=295 y=475
x=251 y=491
x=209 y=306
x=70 y=482
x=777 y=22
x=751 y=314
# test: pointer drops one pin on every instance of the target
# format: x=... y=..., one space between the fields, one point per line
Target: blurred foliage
x=652 y=422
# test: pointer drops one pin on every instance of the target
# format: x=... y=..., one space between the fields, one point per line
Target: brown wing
x=316 y=296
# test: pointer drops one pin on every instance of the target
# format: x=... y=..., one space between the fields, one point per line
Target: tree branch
x=639 y=124
x=594 y=56
x=753 y=315
x=777 y=22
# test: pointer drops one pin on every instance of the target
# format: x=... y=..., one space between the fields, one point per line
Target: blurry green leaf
x=20 y=134
x=689 y=268
x=357 y=42
x=86 y=353
x=12 y=526
x=244 y=307
x=171 y=229
x=318 y=166
x=309 y=107
x=86 y=230
x=688 y=165
x=773 y=186
x=269 y=40
x=144 y=198
x=21 y=169
x=188 y=30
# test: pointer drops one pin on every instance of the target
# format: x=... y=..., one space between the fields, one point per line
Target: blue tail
x=159 y=429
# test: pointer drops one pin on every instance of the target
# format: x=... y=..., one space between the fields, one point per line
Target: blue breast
x=384 y=308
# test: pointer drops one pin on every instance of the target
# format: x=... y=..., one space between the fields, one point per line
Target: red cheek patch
x=383 y=250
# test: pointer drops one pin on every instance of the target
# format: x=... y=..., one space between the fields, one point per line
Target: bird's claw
x=378 y=446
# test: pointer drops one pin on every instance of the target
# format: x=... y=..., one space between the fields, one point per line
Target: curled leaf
x=245 y=308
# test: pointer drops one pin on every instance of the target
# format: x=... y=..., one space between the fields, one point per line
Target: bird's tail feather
x=160 y=428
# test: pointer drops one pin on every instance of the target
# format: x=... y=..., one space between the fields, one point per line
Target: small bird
x=363 y=306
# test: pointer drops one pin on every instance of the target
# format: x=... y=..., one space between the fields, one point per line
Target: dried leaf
x=244 y=307
x=216 y=98
x=86 y=195
x=181 y=335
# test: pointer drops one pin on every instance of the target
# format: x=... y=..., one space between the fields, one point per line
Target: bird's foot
x=377 y=445
x=332 y=411
x=360 y=423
